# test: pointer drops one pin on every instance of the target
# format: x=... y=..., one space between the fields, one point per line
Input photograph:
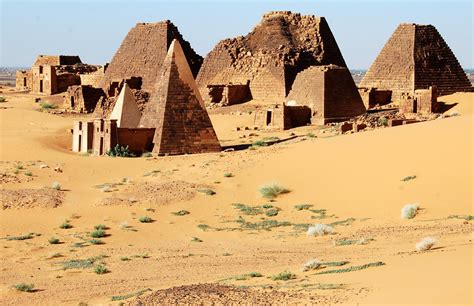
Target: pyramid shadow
x=443 y=107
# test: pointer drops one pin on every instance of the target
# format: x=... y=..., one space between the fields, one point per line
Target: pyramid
x=271 y=55
x=142 y=52
x=176 y=111
x=416 y=57
x=126 y=110
x=329 y=91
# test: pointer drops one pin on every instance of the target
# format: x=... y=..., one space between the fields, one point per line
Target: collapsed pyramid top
x=271 y=55
x=416 y=57
x=176 y=110
x=126 y=110
x=142 y=52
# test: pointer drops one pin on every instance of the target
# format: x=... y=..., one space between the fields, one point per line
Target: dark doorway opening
x=269 y=117
x=72 y=102
x=41 y=85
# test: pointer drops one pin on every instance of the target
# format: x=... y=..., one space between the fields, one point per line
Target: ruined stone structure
x=416 y=57
x=329 y=91
x=270 y=57
x=283 y=117
x=423 y=101
x=82 y=136
x=143 y=51
x=228 y=94
x=373 y=97
x=126 y=110
x=82 y=98
x=51 y=74
x=176 y=110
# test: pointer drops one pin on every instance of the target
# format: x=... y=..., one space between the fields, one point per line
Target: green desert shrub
x=100 y=227
x=56 y=186
x=3 y=99
x=207 y=191
x=145 y=219
x=96 y=241
x=101 y=269
x=65 y=225
x=53 y=241
x=120 y=151
x=47 y=106
x=181 y=213
x=228 y=174
x=24 y=287
x=271 y=191
x=409 y=211
x=283 y=276
x=98 y=233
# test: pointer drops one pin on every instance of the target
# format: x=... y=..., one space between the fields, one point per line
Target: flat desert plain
x=236 y=246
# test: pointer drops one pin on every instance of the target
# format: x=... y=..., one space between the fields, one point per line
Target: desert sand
x=354 y=182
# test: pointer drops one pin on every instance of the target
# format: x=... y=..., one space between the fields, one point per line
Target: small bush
x=28 y=173
x=228 y=174
x=53 y=241
x=125 y=258
x=383 y=121
x=353 y=268
x=96 y=241
x=271 y=191
x=207 y=191
x=425 y=244
x=120 y=151
x=283 y=276
x=462 y=217
x=100 y=269
x=65 y=225
x=147 y=154
x=25 y=287
x=303 y=206
x=23 y=237
x=196 y=239
x=145 y=219
x=56 y=186
x=2 y=99
x=319 y=230
x=47 y=106
x=100 y=227
x=272 y=212
x=312 y=264
x=310 y=135
x=99 y=233
x=409 y=211
x=203 y=227
x=408 y=178
x=181 y=213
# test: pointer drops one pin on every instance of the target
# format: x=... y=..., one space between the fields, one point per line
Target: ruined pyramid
x=126 y=110
x=416 y=57
x=270 y=57
x=142 y=52
x=176 y=111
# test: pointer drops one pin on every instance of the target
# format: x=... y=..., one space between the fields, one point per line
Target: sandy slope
x=351 y=176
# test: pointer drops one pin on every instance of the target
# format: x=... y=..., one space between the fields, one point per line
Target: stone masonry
x=177 y=112
x=270 y=57
x=416 y=57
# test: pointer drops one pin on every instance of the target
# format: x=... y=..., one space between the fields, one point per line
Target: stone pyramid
x=416 y=57
x=271 y=55
x=142 y=52
x=126 y=110
x=176 y=110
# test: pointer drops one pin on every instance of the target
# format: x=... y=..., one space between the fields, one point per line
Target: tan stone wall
x=44 y=80
x=93 y=79
x=56 y=60
x=24 y=80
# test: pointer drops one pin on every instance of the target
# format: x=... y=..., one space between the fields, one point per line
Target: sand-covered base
x=235 y=245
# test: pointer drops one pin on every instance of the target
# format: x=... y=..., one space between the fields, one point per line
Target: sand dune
x=352 y=181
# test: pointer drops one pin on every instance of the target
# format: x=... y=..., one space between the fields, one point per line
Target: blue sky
x=94 y=29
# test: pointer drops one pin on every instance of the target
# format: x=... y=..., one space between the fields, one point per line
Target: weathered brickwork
x=142 y=52
x=24 y=80
x=330 y=93
x=229 y=94
x=270 y=57
x=373 y=97
x=423 y=101
x=56 y=60
x=416 y=57
x=177 y=111
x=283 y=117
x=82 y=98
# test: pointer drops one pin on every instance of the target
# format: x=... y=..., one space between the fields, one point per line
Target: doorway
x=41 y=86
x=269 y=117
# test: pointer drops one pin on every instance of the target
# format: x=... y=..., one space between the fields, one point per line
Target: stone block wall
x=82 y=137
x=283 y=117
x=24 y=80
x=64 y=80
x=44 y=80
x=56 y=60
x=138 y=140
x=373 y=97
x=82 y=98
x=228 y=94
x=104 y=136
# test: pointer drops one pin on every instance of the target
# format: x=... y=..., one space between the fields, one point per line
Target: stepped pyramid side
x=271 y=55
x=394 y=67
x=126 y=110
x=176 y=110
x=436 y=64
x=142 y=52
